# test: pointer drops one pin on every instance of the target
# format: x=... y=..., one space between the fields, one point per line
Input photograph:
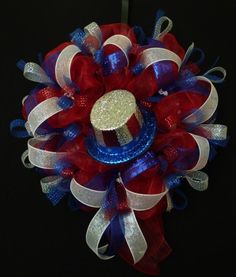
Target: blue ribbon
x=114 y=62
x=140 y=165
x=57 y=193
x=72 y=131
x=21 y=65
x=78 y=38
x=65 y=102
x=17 y=128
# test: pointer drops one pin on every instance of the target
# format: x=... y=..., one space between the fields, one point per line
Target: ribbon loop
x=214 y=131
x=42 y=158
x=153 y=55
x=90 y=197
x=214 y=78
x=208 y=108
x=204 y=152
x=191 y=49
x=42 y=112
x=143 y=202
x=94 y=30
x=197 y=180
x=158 y=32
x=122 y=42
x=49 y=182
x=63 y=65
x=24 y=157
x=35 y=73
x=95 y=231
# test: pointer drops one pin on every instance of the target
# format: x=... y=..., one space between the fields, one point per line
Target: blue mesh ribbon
x=17 y=128
x=56 y=193
x=114 y=62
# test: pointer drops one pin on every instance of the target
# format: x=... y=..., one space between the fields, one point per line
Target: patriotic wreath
x=118 y=122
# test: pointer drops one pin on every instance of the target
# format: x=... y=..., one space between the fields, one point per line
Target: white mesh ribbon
x=122 y=42
x=98 y=225
x=42 y=158
x=208 y=108
x=155 y=54
x=35 y=73
x=63 y=64
x=42 y=112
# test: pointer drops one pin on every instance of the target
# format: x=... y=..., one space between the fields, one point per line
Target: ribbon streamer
x=133 y=234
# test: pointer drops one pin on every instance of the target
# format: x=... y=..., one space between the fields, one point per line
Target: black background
x=41 y=240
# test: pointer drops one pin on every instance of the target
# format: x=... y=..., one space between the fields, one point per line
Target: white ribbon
x=49 y=182
x=204 y=151
x=159 y=24
x=214 y=131
x=188 y=53
x=155 y=54
x=42 y=112
x=63 y=64
x=42 y=158
x=133 y=234
x=122 y=42
x=24 y=158
x=35 y=73
x=197 y=180
x=218 y=69
x=207 y=109
x=94 y=30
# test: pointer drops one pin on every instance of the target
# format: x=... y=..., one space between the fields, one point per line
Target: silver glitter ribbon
x=158 y=32
x=24 y=158
x=122 y=42
x=38 y=157
x=63 y=64
x=204 y=151
x=214 y=131
x=187 y=54
x=207 y=109
x=198 y=180
x=49 y=182
x=133 y=234
x=94 y=30
x=218 y=69
x=42 y=158
x=41 y=113
x=35 y=73
x=155 y=54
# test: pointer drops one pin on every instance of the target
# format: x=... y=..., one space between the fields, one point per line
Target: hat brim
x=122 y=154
